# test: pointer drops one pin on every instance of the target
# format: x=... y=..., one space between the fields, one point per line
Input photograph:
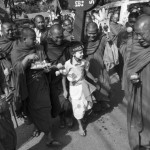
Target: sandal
x=62 y=125
x=53 y=143
x=36 y=133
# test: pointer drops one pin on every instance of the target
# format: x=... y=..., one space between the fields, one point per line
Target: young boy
x=80 y=90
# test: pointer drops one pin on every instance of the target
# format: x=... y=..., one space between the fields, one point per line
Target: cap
x=77 y=46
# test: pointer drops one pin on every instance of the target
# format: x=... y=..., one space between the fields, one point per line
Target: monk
x=8 y=138
x=6 y=45
x=126 y=39
x=115 y=27
x=68 y=30
x=94 y=50
x=137 y=88
x=128 y=30
x=57 y=51
x=32 y=85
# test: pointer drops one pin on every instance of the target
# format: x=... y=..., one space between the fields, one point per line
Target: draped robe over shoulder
x=125 y=50
x=138 y=96
x=94 y=54
x=115 y=29
x=32 y=86
x=6 y=47
x=56 y=54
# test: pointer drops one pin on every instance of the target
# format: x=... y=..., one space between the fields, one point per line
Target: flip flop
x=62 y=125
x=53 y=143
x=36 y=133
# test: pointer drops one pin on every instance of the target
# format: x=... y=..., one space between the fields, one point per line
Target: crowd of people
x=76 y=80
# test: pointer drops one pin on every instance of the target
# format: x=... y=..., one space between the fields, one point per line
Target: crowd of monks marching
x=47 y=73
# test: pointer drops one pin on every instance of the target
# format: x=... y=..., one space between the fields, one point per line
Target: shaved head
x=91 y=31
x=27 y=32
x=28 y=37
x=40 y=22
x=142 y=29
x=56 y=34
x=92 y=26
x=7 y=30
x=143 y=23
x=39 y=17
x=56 y=28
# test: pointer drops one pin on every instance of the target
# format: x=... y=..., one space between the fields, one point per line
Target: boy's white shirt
x=38 y=35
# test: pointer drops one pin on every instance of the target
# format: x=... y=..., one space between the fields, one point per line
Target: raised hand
x=134 y=78
x=32 y=57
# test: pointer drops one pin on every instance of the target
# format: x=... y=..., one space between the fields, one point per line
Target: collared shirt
x=38 y=35
x=76 y=70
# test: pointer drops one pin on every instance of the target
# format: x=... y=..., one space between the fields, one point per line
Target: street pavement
x=105 y=131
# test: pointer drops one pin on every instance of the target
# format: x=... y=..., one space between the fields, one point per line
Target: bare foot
x=82 y=132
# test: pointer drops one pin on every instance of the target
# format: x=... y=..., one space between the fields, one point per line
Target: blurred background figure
x=68 y=30
x=15 y=30
x=47 y=21
x=32 y=25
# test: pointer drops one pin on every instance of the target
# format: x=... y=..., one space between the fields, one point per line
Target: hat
x=77 y=46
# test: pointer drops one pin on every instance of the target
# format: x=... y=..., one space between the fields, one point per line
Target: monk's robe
x=94 y=51
x=41 y=36
x=138 y=97
x=125 y=50
x=122 y=38
x=115 y=29
x=32 y=87
x=56 y=54
x=6 y=46
x=8 y=138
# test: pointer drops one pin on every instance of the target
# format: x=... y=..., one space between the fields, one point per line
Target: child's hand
x=6 y=72
x=65 y=94
x=59 y=66
x=32 y=57
x=57 y=73
x=134 y=78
